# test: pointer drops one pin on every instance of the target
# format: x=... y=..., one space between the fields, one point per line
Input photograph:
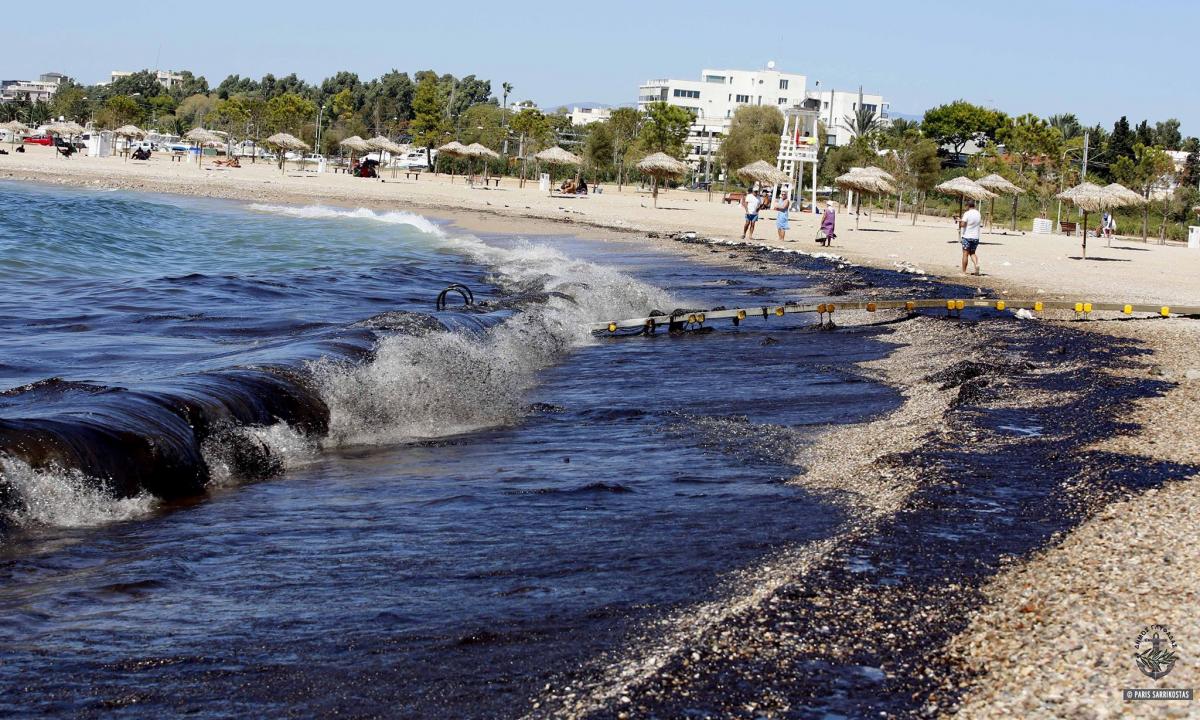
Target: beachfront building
x=588 y=115
x=165 y=78
x=717 y=95
x=40 y=90
x=839 y=105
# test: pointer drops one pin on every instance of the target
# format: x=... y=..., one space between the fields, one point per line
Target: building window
x=783 y=84
x=715 y=79
x=695 y=94
x=783 y=101
x=743 y=98
x=825 y=105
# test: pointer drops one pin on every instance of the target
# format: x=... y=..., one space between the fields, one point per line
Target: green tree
x=484 y=124
x=192 y=111
x=430 y=126
x=71 y=101
x=753 y=135
x=1121 y=141
x=1067 y=125
x=598 y=150
x=289 y=113
x=865 y=121
x=119 y=110
x=665 y=129
x=625 y=124
x=533 y=131
x=959 y=123
x=1149 y=168
x=1167 y=135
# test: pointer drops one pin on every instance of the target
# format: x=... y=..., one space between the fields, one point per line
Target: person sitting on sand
x=970 y=223
x=581 y=188
x=567 y=187
x=828 y=224
x=781 y=215
x=750 y=204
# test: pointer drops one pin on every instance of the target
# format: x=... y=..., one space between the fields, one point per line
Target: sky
x=1099 y=59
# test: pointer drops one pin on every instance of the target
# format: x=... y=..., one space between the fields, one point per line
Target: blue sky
x=1099 y=59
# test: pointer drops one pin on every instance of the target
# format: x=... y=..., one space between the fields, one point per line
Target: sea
x=250 y=466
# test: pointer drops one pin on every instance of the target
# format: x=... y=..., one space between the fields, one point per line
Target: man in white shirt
x=750 y=205
x=970 y=224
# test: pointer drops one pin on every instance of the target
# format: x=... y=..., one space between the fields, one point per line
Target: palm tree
x=1067 y=124
x=864 y=121
x=507 y=87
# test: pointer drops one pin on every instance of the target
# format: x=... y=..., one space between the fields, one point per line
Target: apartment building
x=839 y=107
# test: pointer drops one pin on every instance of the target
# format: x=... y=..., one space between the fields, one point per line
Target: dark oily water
x=455 y=515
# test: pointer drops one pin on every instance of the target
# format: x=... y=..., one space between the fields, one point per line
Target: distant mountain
x=906 y=116
x=551 y=107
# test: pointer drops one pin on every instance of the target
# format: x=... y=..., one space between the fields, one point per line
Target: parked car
x=39 y=140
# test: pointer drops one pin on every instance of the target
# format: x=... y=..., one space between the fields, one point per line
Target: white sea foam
x=64 y=498
x=443 y=383
x=321 y=212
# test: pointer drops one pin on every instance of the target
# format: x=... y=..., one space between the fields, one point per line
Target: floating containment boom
x=692 y=319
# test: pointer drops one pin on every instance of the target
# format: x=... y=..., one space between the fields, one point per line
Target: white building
x=40 y=90
x=717 y=95
x=838 y=105
x=588 y=115
x=165 y=78
x=522 y=105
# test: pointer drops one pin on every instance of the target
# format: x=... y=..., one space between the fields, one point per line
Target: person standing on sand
x=828 y=224
x=782 y=205
x=969 y=224
x=750 y=205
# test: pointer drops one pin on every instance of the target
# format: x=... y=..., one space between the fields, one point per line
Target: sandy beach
x=1131 y=562
x=1048 y=266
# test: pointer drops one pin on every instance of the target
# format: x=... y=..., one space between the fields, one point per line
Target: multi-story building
x=40 y=90
x=717 y=95
x=589 y=115
x=838 y=109
x=165 y=78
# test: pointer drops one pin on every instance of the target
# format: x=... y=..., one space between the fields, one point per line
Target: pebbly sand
x=1050 y=636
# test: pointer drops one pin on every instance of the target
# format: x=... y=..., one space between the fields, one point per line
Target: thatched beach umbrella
x=66 y=129
x=451 y=149
x=1001 y=186
x=283 y=142
x=355 y=144
x=382 y=144
x=476 y=150
x=129 y=132
x=1122 y=197
x=557 y=156
x=764 y=173
x=878 y=172
x=661 y=165
x=1089 y=198
x=862 y=181
x=202 y=137
x=15 y=128
x=964 y=187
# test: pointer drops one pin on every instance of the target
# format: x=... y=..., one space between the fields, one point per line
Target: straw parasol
x=1001 y=186
x=477 y=150
x=861 y=180
x=1089 y=198
x=451 y=149
x=283 y=142
x=661 y=165
x=763 y=172
x=878 y=172
x=354 y=144
x=382 y=144
x=15 y=128
x=557 y=156
x=1123 y=196
x=202 y=137
x=68 y=129
x=964 y=187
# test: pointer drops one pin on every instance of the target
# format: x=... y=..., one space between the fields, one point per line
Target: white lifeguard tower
x=798 y=145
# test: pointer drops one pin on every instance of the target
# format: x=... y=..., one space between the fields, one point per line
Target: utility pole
x=320 y=116
x=1086 y=136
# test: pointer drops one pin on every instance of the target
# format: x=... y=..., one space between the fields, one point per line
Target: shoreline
x=905 y=430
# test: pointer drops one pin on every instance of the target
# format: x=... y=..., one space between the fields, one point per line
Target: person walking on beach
x=750 y=205
x=828 y=224
x=782 y=205
x=969 y=224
